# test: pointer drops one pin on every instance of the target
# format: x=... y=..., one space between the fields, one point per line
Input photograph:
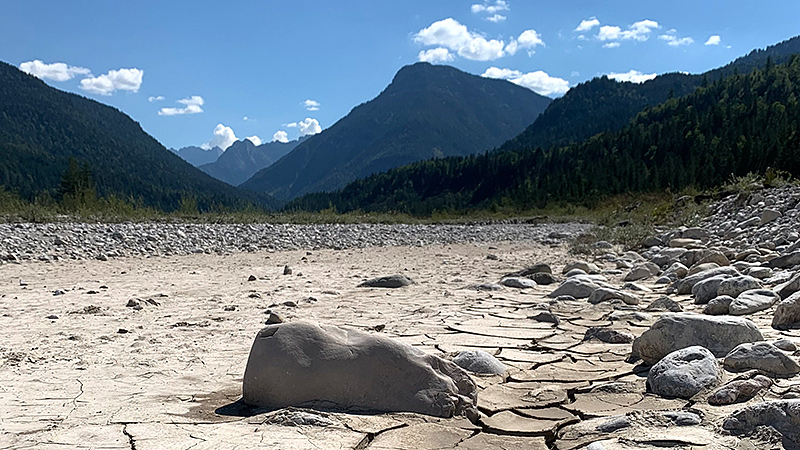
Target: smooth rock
x=761 y=356
x=684 y=373
x=638 y=272
x=787 y=313
x=752 y=301
x=703 y=267
x=707 y=289
x=582 y=265
x=738 y=391
x=785 y=345
x=719 y=306
x=685 y=285
x=789 y=287
x=604 y=294
x=782 y=415
x=576 y=288
x=768 y=216
x=542 y=278
x=674 y=331
x=782 y=262
x=301 y=363
x=664 y=304
x=736 y=285
x=677 y=269
x=391 y=281
x=518 y=282
x=608 y=335
x=479 y=361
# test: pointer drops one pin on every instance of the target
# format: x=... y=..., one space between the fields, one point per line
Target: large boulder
x=707 y=289
x=578 y=288
x=306 y=364
x=752 y=301
x=787 y=313
x=479 y=361
x=782 y=415
x=790 y=287
x=761 y=356
x=736 y=285
x=719 y=306
x=685 y=285
x=674 y=331
x=784 y=261
x=684 y=373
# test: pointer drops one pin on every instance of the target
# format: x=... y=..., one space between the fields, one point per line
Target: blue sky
x=182 y=69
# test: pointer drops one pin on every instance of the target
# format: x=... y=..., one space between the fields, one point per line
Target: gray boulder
x=576 y=288
x=707 y=289
x=684 y=373
x=642 y=271
x=719 y=306
x=738 y=391
x=752 y=301
x=518 y=282
x=391 y=281
x=782 y=262
x=761 y=356
x=736 y=285
x=608 y=335
x=582 y=265
x=604 y=294
x=674 y=331
x=787 y=313
x=306 y=364
x=790 y=287
x=664 y=304
x=542 y=278
x=479 y=361
x=685 y=285
x=782 y=415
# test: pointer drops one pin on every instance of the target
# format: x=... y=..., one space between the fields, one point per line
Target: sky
x=207 y=72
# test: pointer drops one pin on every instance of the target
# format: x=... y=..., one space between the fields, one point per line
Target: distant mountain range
x=41 y=128
x=426 y=112
x=243 y=159
x=605 y=137
x=197 y=156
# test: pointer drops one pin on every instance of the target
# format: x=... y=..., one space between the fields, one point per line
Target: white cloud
x=223 y=138
x=529 y=39
x=497 y=6
x=611 y=45
x=539 y=81
x=192 y=105
x=587 y=24
x=496 y=18
x=311 y=105
x=309 y=126
x=633 y=76
x=674 y=41
x=254 y=139
x=436 y=55
x=280 y=136
x=638 y=31
x=453 y=35
x=157 y=98
x=56 y=71
x=713 y=40
x=114 y=80
x=290 y=125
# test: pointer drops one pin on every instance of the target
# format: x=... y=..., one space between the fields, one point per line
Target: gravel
x=55 y=241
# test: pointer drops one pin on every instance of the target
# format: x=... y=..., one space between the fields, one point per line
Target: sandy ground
x=83 y=370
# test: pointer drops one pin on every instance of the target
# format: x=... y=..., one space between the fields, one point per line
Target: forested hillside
x=732 y=126
x=41 y=128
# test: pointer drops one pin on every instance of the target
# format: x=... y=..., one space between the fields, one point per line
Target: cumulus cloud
x=311 y=105
x=157 y=98
x=496 y=18
x=309 y=126
x=223 y=138
x=55 y=71
x=611 y=45
x=538 y=81
x=713 y=40
x=633 y=76
x=192 y=105
x=638 y=31
x=675 y=41
x=489 y=8
x=587 y=24
x=436 y=55
x=114 y=80
x=280 y=136
x=254 y=139
x=451 y=34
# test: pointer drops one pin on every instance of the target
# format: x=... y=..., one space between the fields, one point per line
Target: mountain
x=42 y=129
x=197 y=156
x=602 y=104
x=243 y=159
x=426 y=112
x=730 y=127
